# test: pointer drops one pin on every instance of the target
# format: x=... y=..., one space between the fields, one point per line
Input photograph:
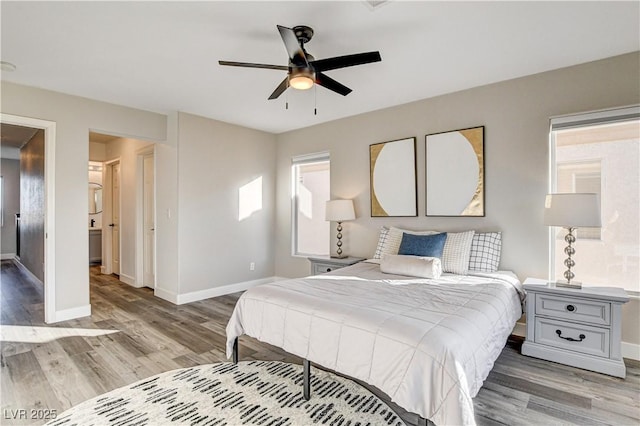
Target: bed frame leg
x=306 y=379
x=422 y=421
x=235 y=351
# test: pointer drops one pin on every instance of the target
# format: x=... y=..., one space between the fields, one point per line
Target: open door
x=111 y=261
x=148 y=208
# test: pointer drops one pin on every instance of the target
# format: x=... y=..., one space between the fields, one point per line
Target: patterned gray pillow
x=485 y=252
x=384 y=233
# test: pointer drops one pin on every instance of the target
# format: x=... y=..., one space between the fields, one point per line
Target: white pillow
x=413 y=266
x=457 y=249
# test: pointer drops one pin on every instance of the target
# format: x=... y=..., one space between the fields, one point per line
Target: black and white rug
x=247 y=393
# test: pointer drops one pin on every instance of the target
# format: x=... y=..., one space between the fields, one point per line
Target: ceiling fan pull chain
x=286 y=99
x=315 y=99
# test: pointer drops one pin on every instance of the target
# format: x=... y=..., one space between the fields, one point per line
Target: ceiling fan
x=304 y=70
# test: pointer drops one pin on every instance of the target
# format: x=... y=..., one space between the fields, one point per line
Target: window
x=1 y=201
x=310 y=188
x=599 y=152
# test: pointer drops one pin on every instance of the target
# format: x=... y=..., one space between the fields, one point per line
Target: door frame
x=49 y=284
x=139 y=251
x=107 y=217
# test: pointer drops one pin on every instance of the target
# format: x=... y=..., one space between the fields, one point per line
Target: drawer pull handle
x=571 y=308
x=571 y=339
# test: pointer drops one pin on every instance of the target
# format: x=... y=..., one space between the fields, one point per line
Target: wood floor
x=132 y=335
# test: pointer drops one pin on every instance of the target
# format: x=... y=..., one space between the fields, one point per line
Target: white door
x=115 y=219
x=148 y=193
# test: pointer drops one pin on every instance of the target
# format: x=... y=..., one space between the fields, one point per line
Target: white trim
x=169 y=296
x=631 y=351
x=221 y=291
x=73 y=313
x=589 y=118
x=25 y=270
x=49 y=128
x=314 y=157
x=7 y=256
x=128 y=280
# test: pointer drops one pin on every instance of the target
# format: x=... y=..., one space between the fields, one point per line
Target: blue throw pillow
x=423 y=245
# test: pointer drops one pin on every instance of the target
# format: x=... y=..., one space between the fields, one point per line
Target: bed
x=427 y=343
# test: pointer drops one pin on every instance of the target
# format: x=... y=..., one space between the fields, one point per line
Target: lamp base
x=565 y=284
x=339 y=256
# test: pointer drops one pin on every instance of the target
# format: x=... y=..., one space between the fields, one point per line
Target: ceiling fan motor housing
x=301 y=78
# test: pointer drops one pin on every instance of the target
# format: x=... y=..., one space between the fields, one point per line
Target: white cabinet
x=578 y=327
x=95 y=246
x=324 y=264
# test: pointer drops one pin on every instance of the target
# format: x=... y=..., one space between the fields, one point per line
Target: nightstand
x=577 y=327
x=322 y=264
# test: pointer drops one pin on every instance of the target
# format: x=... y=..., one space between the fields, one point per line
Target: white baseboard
x=24 y=269
x=631 y=351
x=221 y=291
x=169 y=296
x=73 y=313
x=7 y=256
x=128 y=280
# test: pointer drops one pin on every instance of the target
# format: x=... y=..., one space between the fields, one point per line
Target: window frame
x=575 y=121
x=298 y=160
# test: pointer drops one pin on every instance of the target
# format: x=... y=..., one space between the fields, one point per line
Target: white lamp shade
x=339 y=210
x=572 y=210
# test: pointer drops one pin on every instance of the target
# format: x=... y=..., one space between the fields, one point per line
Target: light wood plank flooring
x=132 y=335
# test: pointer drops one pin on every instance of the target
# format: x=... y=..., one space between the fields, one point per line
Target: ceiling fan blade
x=280 y=89
x=294 y=50
x=250 y=65
x=329 y=83
x=346 y=61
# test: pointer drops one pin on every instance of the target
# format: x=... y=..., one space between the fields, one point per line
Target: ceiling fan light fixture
x=301 y=79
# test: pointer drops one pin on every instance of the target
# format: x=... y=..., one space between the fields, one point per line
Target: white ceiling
x=163 y=56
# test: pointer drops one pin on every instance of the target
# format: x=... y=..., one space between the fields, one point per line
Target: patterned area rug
x=247 y=393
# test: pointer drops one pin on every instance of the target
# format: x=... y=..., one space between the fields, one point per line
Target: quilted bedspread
x=428 y=344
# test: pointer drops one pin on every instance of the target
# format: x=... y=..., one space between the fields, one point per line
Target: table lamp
x=339 y=211
x=571 y=211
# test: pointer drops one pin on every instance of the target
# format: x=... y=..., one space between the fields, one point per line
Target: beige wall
x=215 y=160
x=74 y=118
x=516 y=116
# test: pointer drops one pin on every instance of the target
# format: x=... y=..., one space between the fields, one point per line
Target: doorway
x=48 y=183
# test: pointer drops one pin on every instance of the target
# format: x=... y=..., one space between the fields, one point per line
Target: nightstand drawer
x=573 y=337
x=321 y=268
x=573 y=309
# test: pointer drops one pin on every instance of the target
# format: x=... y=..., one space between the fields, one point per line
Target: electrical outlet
x=252 y=266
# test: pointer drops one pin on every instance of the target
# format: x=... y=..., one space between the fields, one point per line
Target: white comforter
x=428 y=344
